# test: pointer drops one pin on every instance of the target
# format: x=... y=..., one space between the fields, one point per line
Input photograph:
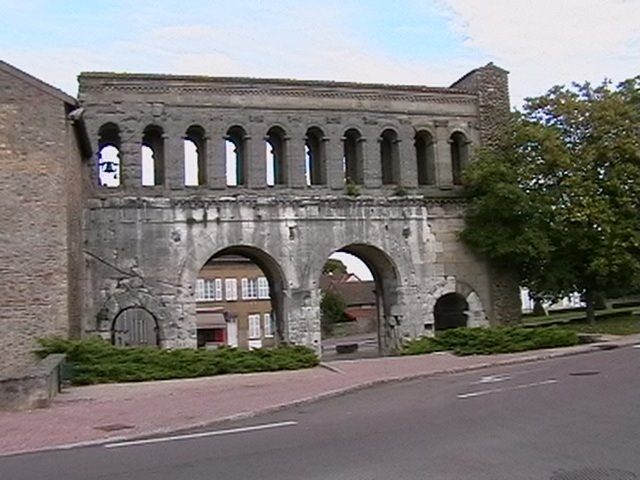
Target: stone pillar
x=372 y=168
x=256 y=162
x=174 y=160
x=216 y=161
x=131 y=159
x=408 y=175
x=295 y=160
x=334 y=149
x=444 y=170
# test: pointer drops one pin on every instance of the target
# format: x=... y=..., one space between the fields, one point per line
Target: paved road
x=574 y=418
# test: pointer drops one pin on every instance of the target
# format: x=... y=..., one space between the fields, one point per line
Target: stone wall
x=34 y=387
x=40 y=235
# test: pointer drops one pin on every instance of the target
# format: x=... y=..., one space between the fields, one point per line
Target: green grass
x=609 y=326
x=477 y=341
x=94 y=361
x=562 y=317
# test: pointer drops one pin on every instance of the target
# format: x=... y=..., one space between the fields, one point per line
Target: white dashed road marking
x=506 y=389
x=189 y=436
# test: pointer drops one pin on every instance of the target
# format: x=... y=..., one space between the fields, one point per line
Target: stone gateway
x=185 y=169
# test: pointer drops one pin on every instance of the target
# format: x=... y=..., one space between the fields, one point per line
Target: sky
x=541 y=43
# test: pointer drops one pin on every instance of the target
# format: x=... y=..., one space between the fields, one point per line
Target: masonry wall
x=146 y=244
x=38 y=165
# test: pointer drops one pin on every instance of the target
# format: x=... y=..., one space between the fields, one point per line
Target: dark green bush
x=93 y=361
x=477 y=341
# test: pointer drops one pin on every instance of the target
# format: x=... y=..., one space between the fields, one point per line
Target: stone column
x=407 y=162
x=334 y=150
x=131 y=159
x=256 y=162
x=174 y=160
x=371 y=166
x=216 y=161
x=296 y=160
x=444 y=170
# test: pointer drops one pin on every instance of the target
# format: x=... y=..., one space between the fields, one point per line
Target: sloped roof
x=353 y=292
x=37 y=83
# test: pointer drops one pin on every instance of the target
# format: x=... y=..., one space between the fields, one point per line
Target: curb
x=544 y=355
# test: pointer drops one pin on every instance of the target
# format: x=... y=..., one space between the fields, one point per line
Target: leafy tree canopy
x=334 y=265
x=332 y=308
x=558 y=198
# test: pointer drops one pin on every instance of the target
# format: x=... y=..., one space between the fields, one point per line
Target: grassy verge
x=609 y=326
x=94 y=361
x=561 y=317
x=476 y=341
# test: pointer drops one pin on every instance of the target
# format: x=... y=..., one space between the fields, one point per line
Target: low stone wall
x=35 y=388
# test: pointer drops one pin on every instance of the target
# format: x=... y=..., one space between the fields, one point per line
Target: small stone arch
x=109 y=156
x=450 y=311
x=316 y=156
x=474 y=310
x=153 y=155
x=276 y=155
x=135 y=326
x=352 y=140
x=389 y=156
x=195 y=138
x=236 y=169
x=424 y=143
x=459 y=143
x=134 y=298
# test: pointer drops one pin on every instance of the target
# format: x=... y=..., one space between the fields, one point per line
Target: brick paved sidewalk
x=97 y=413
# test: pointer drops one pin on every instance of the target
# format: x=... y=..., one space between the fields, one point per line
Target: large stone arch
x=387 y=285
x=278 y=284
x=476 y=316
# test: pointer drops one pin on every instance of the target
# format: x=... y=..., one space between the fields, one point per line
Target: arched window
x=425 y=157
x=109 y=155
x=236 y=162
x=459 y=155
x=276 y=156
x=389 y=157
x=195 y=156
x=315 y=161
x=353 y=157
x=153 y=156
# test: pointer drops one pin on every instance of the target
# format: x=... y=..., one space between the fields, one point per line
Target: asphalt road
x=573 y=418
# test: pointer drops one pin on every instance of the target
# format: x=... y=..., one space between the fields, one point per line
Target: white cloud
x=550 y=42
x=541 y=43
x=306 y=43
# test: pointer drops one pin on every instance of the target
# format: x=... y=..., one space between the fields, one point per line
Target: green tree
x=558 y=198
x=332 y=308
x=333 y=265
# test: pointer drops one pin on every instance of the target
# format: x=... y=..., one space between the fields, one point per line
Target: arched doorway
x=450 y=311
x=134 y=326
x=359 y=296
x=239 y=300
